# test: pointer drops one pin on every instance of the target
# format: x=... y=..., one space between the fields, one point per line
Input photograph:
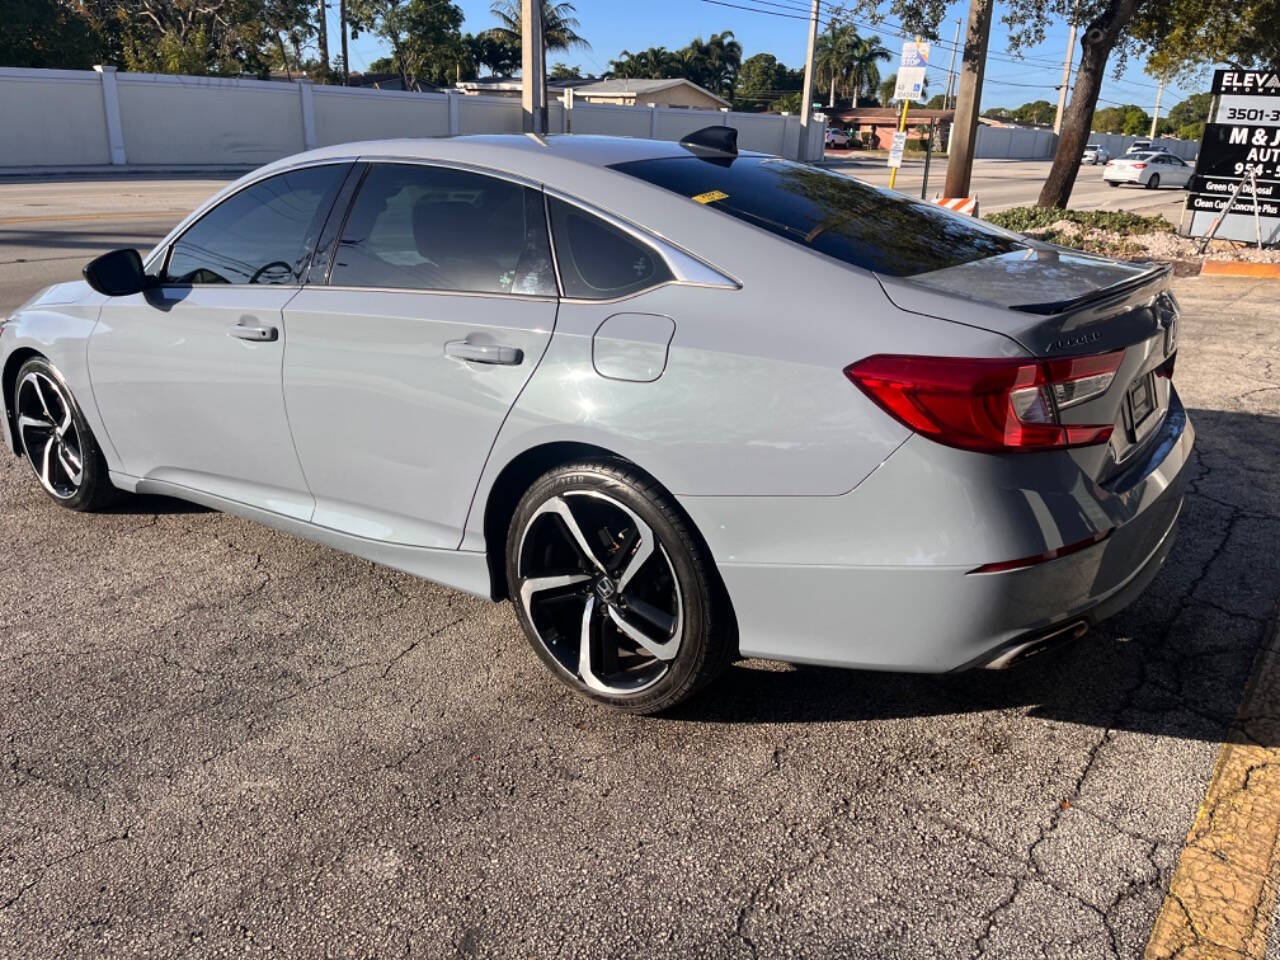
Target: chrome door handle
x=484 y=352
x=254 y=332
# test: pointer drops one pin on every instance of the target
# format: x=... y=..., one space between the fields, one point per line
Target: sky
x=614 y=25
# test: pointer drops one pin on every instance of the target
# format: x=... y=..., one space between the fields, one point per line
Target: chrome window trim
x=686 y=268
x=422 y=291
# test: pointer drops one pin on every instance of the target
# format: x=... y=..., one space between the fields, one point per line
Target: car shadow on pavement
x=1174 y=663
x=149 y=504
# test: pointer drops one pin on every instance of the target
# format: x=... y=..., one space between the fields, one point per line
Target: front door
x=399 y=372
x=187 y=376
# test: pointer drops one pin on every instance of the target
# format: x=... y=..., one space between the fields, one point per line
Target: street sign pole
x=902 y=128
x=911 y=81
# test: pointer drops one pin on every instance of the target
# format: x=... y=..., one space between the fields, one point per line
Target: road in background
x=1000 y=184
x=50 y=228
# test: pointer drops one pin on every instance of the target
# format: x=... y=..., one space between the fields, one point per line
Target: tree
x=885 y=91
x=424 y=36
x=762 y=79
x=494 y=52
x=788 y=103
x=1183 y=35
x=559 y=25
x=1186 y=119
x=562 y=71
x=1035 y=113
x=656 y=63
x=845 y=62
x=1129 y=119
x=713 y=64
x=46 y=33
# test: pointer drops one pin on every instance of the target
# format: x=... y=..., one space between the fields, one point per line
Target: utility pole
x=1155 y=114
x=951 y=70
x=322 y=40
x=965 y=133
x=532 y=66
x=1066 y=80
x=342 y=29
x=806 y=99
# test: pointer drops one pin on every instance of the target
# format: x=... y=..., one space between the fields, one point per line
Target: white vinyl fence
x=77 y=118
x=1024 y=143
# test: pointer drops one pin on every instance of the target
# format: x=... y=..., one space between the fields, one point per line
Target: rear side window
x=419 y=227
x=856 y=223
x=263 y=234
x=598 y=261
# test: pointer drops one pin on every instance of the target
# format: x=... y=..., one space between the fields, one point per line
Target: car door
x=403 y=362
x=187 y=375
x=1179 y=171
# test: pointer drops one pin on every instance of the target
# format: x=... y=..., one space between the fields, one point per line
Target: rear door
x=406 y=354
x=187 y=375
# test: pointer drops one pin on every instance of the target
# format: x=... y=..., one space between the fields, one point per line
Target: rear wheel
x=1112 y=183
x=58 y=443
x=613 y=590
x=1154 y=182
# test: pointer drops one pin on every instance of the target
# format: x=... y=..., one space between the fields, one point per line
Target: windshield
x=853 y=222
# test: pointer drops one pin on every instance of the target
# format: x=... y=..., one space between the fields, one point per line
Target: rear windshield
x=833 y=214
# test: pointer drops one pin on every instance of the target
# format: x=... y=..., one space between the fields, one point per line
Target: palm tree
x=713 y=63
x=847 y=63
x=559 y=25
x=656 y=63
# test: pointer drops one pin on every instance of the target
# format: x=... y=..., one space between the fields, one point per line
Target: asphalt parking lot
x=217 y=739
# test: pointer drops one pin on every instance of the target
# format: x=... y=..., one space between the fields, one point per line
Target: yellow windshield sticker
x=711 y=196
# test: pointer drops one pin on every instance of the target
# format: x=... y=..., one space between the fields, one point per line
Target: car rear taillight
x=1139 y=166
x=990 y=405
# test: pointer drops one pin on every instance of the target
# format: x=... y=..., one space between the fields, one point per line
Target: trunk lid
x=1058 y=303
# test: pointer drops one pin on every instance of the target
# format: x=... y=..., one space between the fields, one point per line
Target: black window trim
x=163 y=254
x=367 y=164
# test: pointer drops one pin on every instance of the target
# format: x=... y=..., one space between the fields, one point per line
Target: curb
x=1240 y=268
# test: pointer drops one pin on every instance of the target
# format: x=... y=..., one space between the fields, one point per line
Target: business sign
x=911 y=71
x=1241 y=143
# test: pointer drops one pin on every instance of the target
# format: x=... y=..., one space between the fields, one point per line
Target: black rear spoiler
x=1119 y=291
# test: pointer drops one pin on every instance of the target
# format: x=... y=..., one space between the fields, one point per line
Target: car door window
x=597 y=260
x=422 y=227
x=263 y=234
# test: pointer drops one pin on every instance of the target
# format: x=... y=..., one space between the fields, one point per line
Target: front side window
x=598 y=261
x=853 y=222
x=263 y=234
x=419 y=227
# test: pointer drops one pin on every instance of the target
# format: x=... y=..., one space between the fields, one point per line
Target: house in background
x=677 y=92
x=876 y=125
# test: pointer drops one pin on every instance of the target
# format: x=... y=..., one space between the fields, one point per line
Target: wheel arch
x=8 y=381
x=525 y=468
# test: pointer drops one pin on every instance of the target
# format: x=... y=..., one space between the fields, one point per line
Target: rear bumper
x=916 y=615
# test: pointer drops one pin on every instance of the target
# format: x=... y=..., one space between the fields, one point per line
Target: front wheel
x=1154 y=182
x=57 y=440
x=614 y=591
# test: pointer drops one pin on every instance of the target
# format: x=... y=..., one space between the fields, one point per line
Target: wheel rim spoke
x=44 y=404
x=69 y=463
x=535 y=585
x=46 y=462
x=644 y=550
x=662 y=649
x=27 y=422
x=585 y=643
x=560 y=507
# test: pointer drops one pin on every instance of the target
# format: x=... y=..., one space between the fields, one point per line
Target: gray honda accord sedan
x=678 y=403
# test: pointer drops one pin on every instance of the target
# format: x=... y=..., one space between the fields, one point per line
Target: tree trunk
x=1099 y=38
x=323 y=40
x=964 y=130
x=831 y=103
x=284 y=56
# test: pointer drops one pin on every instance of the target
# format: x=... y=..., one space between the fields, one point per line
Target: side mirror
x=117 y=274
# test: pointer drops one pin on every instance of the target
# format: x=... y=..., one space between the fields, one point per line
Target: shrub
x=1122 y=222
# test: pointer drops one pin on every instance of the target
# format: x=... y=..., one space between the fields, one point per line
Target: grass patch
x=1022 y=219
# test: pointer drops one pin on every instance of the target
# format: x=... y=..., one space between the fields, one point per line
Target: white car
x=1151 y=170
x=837 y=138
x=1095 y=153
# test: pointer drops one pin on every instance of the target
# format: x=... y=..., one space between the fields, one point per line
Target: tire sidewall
x=695 y=590
x=95 y=479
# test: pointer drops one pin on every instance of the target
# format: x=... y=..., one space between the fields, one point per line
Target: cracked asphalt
x=217 y=739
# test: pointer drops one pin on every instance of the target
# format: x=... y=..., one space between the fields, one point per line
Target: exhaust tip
x=1027 y=647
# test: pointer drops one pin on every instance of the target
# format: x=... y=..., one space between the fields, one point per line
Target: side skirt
x=463 y=570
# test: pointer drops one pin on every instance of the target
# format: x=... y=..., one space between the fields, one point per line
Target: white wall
x=51 y=118
x=72 y=118
x=1019 y=143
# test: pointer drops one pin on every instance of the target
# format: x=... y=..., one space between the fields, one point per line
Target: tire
x=56 y=438
x=1112 y=183
x=1154 y=182
x=625 y=570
